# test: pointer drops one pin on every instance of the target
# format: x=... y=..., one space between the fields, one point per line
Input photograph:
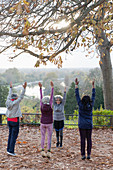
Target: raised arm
x=77 y=91
x=41 y=96
x=9 y=103
x=23 y=91
x=52 y=90
x=64 y=96
x=10 y=92
x=21 y=95
x=93 y=92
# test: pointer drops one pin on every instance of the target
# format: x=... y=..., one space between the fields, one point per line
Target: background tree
x=99 y=99
x=13 y=75
x=71 y=103
x=57 y=91
x=40 y=25
x=3 y=95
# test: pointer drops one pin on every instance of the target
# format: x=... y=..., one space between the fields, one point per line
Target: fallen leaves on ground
x=28 y=150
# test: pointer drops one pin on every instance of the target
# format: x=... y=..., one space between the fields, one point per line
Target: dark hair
x=14 y=96
x=86 y=101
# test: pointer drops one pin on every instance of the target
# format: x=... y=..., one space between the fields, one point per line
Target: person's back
x=85 y=122
x=13 y=113
x=85 y=110
x=12 y=104
x=46 y=119
x=46 y=114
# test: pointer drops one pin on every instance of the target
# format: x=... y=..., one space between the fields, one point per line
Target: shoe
x=12 y=154
x=57 y=144
x=43 y=154
x=88 y=157
x=49 y=154
x=83 y=157
x=60 y=144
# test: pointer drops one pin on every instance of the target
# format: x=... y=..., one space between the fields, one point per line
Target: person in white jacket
x=13 y=113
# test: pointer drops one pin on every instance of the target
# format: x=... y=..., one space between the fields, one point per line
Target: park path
x=68 y=158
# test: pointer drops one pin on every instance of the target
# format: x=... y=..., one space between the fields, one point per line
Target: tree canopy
x=70 y=98
x=3 y=95
x=45 y=28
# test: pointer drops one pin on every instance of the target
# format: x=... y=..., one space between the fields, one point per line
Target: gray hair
x=46 y=99
x=59 y=97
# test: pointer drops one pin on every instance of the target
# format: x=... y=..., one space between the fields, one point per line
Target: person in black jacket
x=85 y=119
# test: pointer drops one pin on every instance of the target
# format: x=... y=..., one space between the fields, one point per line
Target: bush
x=101 y=117
x=105 y=119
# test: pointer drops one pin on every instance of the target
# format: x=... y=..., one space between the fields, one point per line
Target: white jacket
x=13 y=107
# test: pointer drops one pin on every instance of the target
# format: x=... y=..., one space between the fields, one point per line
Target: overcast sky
x=76 y=60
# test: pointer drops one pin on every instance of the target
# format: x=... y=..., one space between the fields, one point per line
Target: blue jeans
x=13 y=134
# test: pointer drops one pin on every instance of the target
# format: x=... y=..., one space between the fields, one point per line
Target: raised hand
x=24 y=85
x=76 y=81
x=51 y=83
x=40 y=85
x=93 y=83
x=11 y=84
x=65 y=89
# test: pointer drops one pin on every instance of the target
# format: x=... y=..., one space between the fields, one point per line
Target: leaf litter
x=28 y=150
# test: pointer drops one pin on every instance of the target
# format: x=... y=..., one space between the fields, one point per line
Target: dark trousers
x=59 y=125
x=61 y=137
x=13 y=134
x=85 y=134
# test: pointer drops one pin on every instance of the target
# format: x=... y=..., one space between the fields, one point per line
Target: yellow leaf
x=25 y=31
x=107 y=27
x=83 y=40
x=78 y=45
x=11 y=10
x=100 y=43
x=100 y=62
x=27 y=24
x=51 y=48
x=18 y=42
x=83 y=28
x=111 y=41
x=25 y=2
x=101 y=40
x=93 y=21
x=37 y=63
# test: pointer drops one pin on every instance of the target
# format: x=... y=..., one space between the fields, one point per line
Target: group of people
x=52 y=115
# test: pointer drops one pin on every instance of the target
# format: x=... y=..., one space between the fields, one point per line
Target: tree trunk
x=106 y=68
